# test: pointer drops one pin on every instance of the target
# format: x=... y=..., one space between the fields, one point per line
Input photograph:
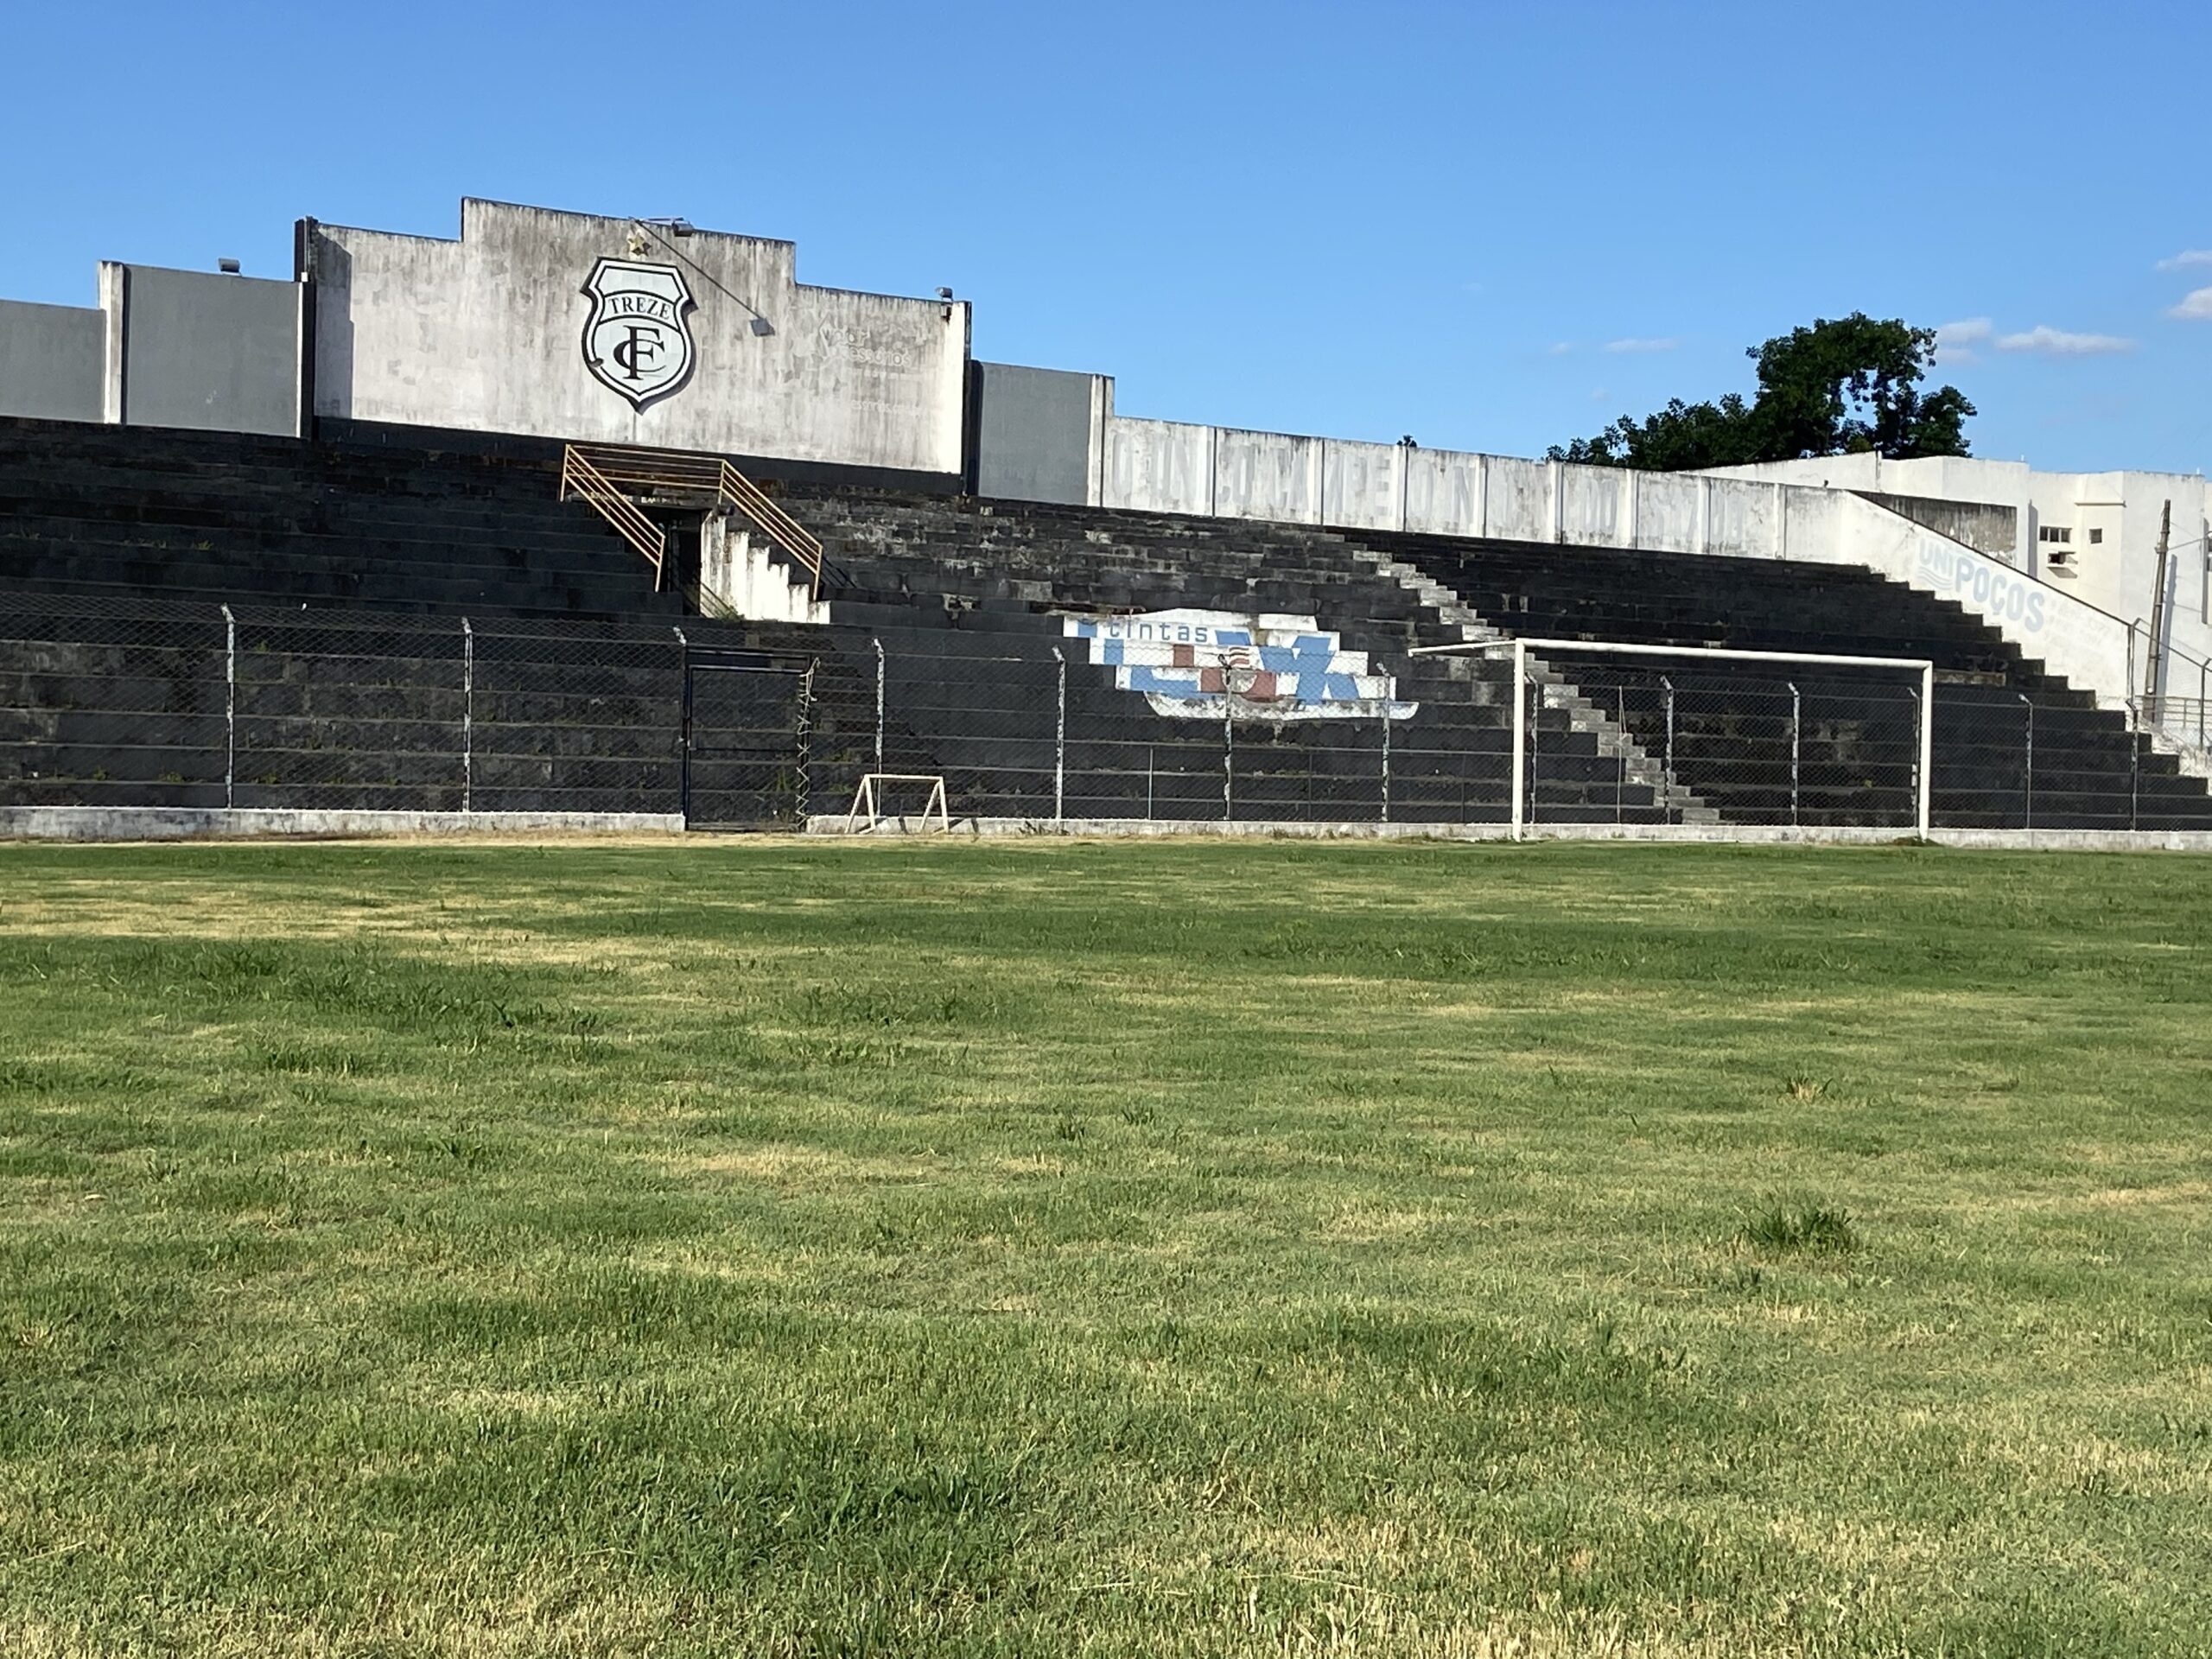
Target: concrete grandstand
x=327 y=552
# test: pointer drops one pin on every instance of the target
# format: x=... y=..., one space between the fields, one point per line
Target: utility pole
x=2156 y=659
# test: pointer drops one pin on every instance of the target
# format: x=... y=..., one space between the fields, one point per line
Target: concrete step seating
x=968 y=599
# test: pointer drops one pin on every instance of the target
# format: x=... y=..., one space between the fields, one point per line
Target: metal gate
x=745 y=723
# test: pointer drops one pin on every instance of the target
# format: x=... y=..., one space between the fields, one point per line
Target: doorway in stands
x=746 y=721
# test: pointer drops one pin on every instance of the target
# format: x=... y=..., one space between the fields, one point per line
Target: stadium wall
x=492 y=337
x=1167 y=467
x=205 y=352
x=171 y=348
x=490 y=334
x=52 y=361
x=1039 y=434
x=2092 y=537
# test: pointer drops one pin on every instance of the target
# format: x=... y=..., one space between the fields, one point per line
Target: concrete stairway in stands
x=920 y=573
x=2090 y=771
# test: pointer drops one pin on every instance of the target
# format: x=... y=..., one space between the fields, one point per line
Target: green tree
x=1841 y=387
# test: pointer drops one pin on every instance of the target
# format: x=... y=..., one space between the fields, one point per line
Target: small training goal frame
x=867 y=799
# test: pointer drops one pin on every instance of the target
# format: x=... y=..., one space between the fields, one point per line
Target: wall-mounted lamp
x=762 y=326
x=673 y=226
x=945 y=293
x=228 y=267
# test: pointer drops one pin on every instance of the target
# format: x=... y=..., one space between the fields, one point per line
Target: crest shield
x=638 y=338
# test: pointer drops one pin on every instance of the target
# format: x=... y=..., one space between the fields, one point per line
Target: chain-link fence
x=1644 y=741
x=128 y=703
x=1807 y=743
x=1028 y=730
x=125 y=703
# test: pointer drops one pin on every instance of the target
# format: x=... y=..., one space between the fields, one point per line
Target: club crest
x=638 y=339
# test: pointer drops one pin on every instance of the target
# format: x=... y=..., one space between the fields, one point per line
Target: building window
x=2096 y=539
x=2055 y=533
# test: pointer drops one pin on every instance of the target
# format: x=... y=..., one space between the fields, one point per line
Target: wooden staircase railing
x=609 y=478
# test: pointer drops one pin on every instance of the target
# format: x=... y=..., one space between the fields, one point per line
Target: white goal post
x=867 y=799
x=1923 y=780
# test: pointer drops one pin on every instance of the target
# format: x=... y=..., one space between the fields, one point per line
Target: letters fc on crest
x=638 y=338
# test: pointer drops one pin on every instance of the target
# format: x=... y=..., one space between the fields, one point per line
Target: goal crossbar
x=1923 y=666
x=1624 y=649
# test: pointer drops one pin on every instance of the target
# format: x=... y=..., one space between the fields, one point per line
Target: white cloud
x=2186 y=258
x=1667 y=345
x=2197 y=307
x=2057 y=342
x=1955 y=341
x=1560 y=348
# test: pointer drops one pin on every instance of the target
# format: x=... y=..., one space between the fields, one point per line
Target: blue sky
x=1493 y=227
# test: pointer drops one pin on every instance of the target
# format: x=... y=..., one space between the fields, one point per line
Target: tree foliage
x=1841 y=387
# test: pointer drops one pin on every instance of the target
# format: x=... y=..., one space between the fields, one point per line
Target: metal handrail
x=580 y=477
x=772 y=521
x=2178 y=717
x=670 y=469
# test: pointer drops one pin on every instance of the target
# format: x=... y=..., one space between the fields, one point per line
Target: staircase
x=753 y=559
x=2090 y=771
x=1681 y=805
x=995 y=582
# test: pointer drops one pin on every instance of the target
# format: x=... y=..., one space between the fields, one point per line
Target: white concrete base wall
x=2110 y=841
x=206 y=823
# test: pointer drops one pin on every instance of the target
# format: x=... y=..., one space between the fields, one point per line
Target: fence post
x=2027 y=768
x=1925 y=777
x=467 y=716
x=1520 y=732
x=1797 y=737
x=1060 y=743
x=2135 y=778
x=804 y=737
x=1228 y=762
x=1386 y=760
x=1668 y=685
x=878 y=644
x=229 y=709
x=683 y=737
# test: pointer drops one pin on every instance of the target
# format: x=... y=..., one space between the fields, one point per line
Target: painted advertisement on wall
x=2004 y=597
x=1216 y=665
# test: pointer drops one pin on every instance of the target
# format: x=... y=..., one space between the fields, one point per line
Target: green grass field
x=1178 y=1249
